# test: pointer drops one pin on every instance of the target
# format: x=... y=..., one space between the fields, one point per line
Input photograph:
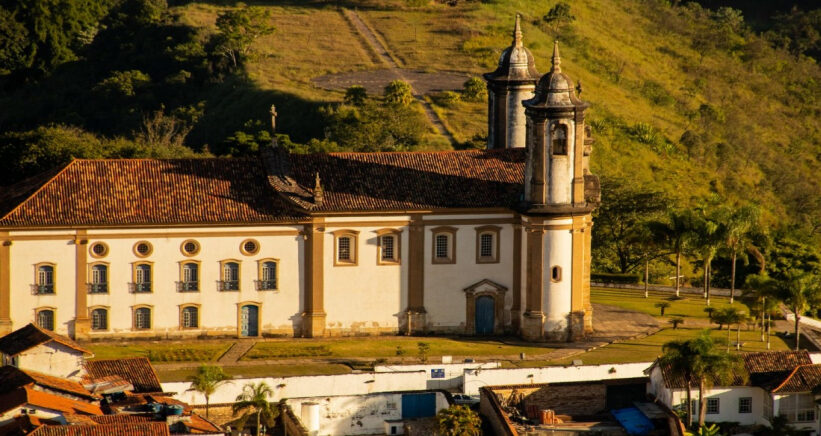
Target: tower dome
x=555 y=89
x=516 y=64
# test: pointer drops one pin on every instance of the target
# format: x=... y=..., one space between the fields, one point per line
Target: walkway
x=384 y=55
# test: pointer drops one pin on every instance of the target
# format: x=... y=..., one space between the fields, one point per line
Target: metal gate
x=249 y=320
x=484 y=315
x=418 y=405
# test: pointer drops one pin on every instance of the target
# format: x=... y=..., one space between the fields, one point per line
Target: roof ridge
x=786 y=379
x=37 y=191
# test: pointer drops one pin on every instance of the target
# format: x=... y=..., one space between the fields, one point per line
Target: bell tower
x=513 y=81
x=560 y=195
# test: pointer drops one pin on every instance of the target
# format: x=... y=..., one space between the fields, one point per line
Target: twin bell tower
x=545 y=115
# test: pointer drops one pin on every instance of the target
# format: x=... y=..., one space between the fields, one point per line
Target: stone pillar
x=5 y=284
x=539 y=162
x=533 y=318
x=588 y=257
x=313 y=318
x=578 y=160
x=82 y=324
x=516 y=308
x=500 y=118
x=416 y=313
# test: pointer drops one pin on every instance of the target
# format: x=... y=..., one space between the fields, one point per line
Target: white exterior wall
x=357 y=415
x=728 y=403
x=53 y=359
x=366 y=295
x=25 y=255
x=444 y=285
x=40 y=412
x=560 y=168
x=516 y=119
x=557 y=302
x=218 y=310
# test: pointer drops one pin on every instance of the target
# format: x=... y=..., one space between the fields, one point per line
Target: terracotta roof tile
x=131 y=429
x=31 y=336
x=122 y=418
x=26 y=395
x=13 y=378
x=805 y=378
x=405 y=180
x=150 y=191
x=766 y=369
x=136 y=370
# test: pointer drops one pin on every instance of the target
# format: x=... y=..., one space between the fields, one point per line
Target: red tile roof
x=31 y=336
x=401 y=180
x=122 y=418
x=12 y=378
x=136 y=370
x=29 y=396
x=131 y=429
x=767 y=369
x=805 y=378
x=148 y=191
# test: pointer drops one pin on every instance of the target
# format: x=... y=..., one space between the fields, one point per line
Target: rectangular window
x=442 y=247
x=142 y=278
x=45 y=319
x=142 y=318
x=45 y=280
x=388 y=245
x=486 y=245
x=344 y=253
x=745 y=405
x=712 y=406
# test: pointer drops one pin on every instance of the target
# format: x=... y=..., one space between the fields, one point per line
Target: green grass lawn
x=648 y=348
x=691 y=306
x=191 y=351
x=375 y=348
x=252 y=371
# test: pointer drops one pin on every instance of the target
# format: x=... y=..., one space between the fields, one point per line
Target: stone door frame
x=488 y=289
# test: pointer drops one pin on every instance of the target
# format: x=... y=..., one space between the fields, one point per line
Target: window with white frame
x=230 y=276
x=487 y=244
x=99 y=279
x=45 y=279
x=745 y=405
x=99 y=319
x=142 y=318
x=190 y=277
x=444 y=245
x=267 y=275
x=712 y=406
x=190 y=317
x=797 y=407
x=45 y=319
x=142 y=278
x=388 y=242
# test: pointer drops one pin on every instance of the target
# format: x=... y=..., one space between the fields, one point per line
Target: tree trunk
x=707 y=281
x=769 y=321
x=678 y=273
x=259 y=412
x=206 y=405
x=689 y=406
x=702 y=404
x=732 y=278
x=738 y=337
x=646 y=277
x=797 y=329
x=728 y=337
x=763 y=317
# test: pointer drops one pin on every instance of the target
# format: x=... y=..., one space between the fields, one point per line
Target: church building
x=473 y=242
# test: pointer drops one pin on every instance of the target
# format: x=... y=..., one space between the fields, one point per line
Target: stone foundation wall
x=574 y=399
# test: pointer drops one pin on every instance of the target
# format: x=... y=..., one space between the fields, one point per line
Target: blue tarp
x=633 y=421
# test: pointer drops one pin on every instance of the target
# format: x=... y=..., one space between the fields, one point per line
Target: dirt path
x=383 y=52
x=236 y=352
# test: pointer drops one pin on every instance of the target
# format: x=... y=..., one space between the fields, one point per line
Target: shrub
x=474 y=90
x=630 y=279
x=399 y=93
x=447 y=98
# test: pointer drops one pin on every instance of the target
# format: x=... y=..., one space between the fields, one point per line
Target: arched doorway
x=249 y=320
x=485 y=317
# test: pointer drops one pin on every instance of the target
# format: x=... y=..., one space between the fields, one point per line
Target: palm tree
x=738 y=224
x=459 y=420
x=800 y=292
x=643 y=240
x=206 y=380
x=708 y=235
x=254 y=401
x=674 y=232
x=697 y=361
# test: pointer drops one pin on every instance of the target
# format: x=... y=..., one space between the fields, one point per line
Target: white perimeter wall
x=357 y=415
x=453 y=372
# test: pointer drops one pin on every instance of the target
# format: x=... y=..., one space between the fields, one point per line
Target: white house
x=37 y=349
x=779 y=383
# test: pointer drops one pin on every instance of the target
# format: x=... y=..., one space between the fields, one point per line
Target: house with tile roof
x=775 y=383
x=472 y=242
x=38 y=349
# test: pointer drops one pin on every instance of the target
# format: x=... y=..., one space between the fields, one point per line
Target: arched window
x=559 y=139
x=444 y=245
x=388 y=241
x=45 y=319
x=99 y=319
x=190 y=317
x=230 y=276
x=190 y=277
x=487 y=244
x=99 y=279
x=45 y=279
x=556 y=274
x=346 y=254
x=142 y=318
x=267 y=276
x=142 y=278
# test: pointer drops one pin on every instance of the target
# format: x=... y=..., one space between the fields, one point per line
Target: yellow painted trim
x=91 y=310
x=182 y=264
x=190 y=253
x=247 y=252
x=451 y=231
x=397 y=246
x=259 y=318
x=354 y=235
x=239 y=273
x=260 y=262
x=183 y=307
x=95 y=255
x=138 y=254
x=150 y=316
x=134 y=266
x=5 y=281
x=53 y=275
x=39 y=309
x=495 y=231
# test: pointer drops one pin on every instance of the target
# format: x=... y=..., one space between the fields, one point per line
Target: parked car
x=465 y=399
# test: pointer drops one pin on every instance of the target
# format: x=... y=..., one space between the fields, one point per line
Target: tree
x=676 y=322
x=239 y=28
x=738 y=225
x=355 y=95
x=675 y=232
x=399 y=93
x=424 y=349
x=206 y=380
x=698 y=362
x=475 y=89
x=800 y=292
x=662 y=305
x=254 y=402
x=708 y=235
x=459 y=420
x=558 y=16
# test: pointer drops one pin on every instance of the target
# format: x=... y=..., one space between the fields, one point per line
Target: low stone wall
x=660 y=288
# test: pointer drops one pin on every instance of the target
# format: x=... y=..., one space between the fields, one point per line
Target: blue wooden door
x=418 y=405
x=249 y=321
x=484 y=315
